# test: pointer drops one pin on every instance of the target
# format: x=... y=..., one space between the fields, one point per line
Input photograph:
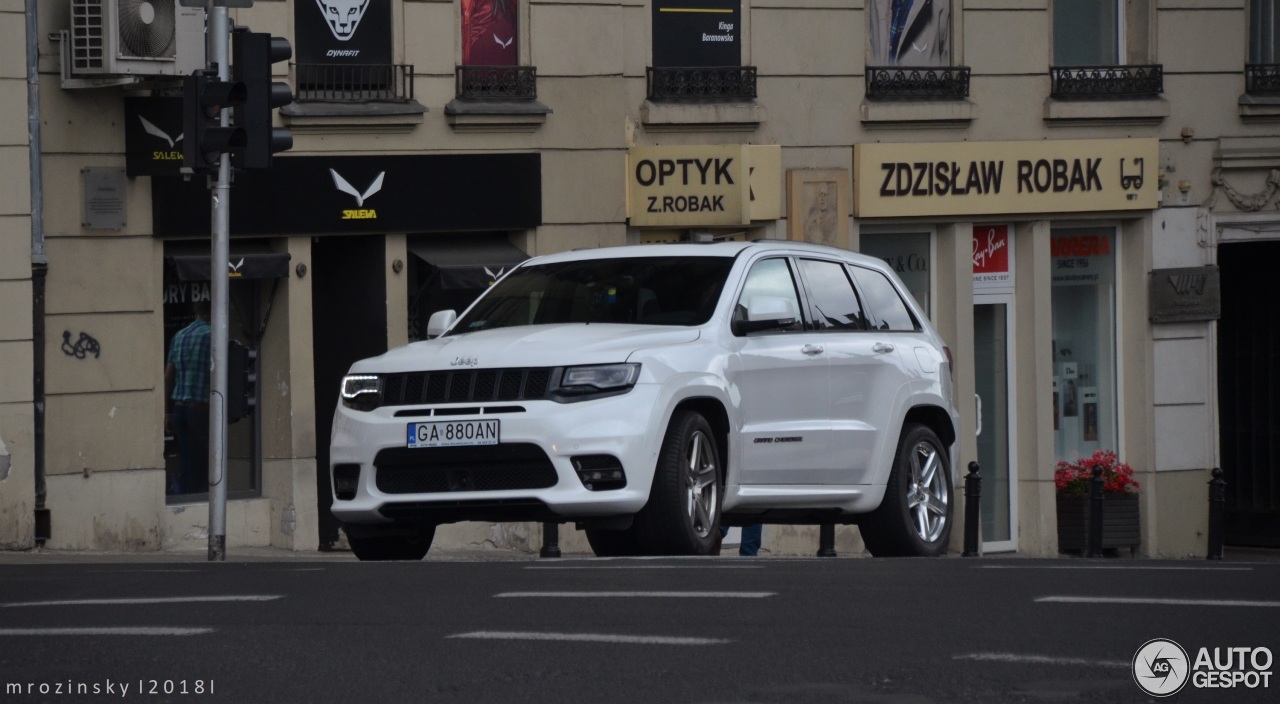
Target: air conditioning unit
x=137 y=38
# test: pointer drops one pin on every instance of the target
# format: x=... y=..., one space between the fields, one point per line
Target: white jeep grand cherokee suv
x=653 y=393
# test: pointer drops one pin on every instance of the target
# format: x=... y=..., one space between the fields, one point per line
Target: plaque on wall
x=1186 y=295
x=104 y=198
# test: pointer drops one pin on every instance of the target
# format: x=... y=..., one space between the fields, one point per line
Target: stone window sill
x=918 y=113
x=495 y=115
x=1059 y=112
x=371 y=116
x=719 y=116
x=1260 y=108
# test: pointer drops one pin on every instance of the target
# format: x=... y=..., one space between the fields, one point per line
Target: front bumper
x=537 y=445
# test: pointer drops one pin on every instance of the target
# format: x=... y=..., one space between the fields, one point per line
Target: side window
x=885 y=306
x=1264 y=31
x=489 y=33
x=771 y=277
x=833 y=304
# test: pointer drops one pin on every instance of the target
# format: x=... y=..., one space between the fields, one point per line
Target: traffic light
x=252 y=54
x=242 y=381
x=205 y=140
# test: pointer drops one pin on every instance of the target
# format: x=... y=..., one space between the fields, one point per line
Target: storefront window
x=1084 y=341
x=908 y=254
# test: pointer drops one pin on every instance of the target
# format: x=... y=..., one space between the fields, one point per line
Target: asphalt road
x=707 y=630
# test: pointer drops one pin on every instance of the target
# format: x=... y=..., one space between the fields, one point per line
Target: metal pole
x=1217 y=513
x=972 y=508
x=550 y=540
x=827 y=540
x=219 y=54
x=1095 y=513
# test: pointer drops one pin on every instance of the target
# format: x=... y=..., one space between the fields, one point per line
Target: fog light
x=599 y=472
x=346 y=481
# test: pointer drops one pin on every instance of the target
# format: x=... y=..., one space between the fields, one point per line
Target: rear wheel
x=370 y=546
x=683 y=513
x=914 y=519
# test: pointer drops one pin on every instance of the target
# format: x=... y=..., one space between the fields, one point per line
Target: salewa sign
x=709 y=185
x=359 y=212
x=152 y=136
x=990 y=178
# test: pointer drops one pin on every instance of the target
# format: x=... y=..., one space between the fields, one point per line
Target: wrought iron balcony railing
x=701 y=83
x=1093 y=82
x=352 y=83
x=497 y=82
x=1262 y=79
x=933 y=83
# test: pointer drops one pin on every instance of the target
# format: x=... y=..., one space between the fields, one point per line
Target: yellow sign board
x=995 y=178
x=702 y=185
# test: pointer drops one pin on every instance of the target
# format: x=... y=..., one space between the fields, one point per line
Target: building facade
x=1083 y=196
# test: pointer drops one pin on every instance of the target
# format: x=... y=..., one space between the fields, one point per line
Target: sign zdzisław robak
x=984 y=178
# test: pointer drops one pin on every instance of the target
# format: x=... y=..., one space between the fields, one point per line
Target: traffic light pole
x=219 y=53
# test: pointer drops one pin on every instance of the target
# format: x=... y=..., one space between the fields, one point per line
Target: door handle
x=882 y=347
x=978 y=398
x=811 y=349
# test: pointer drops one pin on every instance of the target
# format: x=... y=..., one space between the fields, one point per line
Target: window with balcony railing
x=1262 y=73
x=701 y=83
x=354 y=82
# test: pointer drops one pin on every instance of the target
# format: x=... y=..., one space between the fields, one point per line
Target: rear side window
x=884 y=306
x=832 y=301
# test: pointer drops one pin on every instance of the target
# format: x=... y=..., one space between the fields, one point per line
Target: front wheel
x=370 y=546
x=914 y=519
x=613 y=543
x=683 y=513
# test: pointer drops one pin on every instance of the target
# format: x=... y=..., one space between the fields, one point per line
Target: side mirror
x=439 y=322
x=767 y=313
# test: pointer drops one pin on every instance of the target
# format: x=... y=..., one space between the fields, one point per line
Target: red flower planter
x=1120 y=525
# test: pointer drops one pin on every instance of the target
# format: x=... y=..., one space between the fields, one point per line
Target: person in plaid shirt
x=186 y=380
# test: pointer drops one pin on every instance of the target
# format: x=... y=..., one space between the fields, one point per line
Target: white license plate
x=452 y=433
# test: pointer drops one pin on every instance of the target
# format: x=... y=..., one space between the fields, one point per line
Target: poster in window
x=343 y=32
x=910 y=32
x=489 y=33
x=697 y=33
x=1089 y=406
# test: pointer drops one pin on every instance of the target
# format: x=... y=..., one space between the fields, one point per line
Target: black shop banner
x=152 y=136
x=317 y=195
x=347 y=32
x=697 y=33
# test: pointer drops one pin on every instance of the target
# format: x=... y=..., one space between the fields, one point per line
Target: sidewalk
x=41 y=556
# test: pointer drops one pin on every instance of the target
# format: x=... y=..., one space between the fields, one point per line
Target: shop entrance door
x=993 y=369
x=1248 y=385
x=349 y=322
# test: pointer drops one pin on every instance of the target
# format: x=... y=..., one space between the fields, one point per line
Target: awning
x=467 y=261
x=258 y=265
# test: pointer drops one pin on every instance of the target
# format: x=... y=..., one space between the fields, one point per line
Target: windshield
x=643 y=290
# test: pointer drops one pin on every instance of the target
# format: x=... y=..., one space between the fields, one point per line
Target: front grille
x=446 y=469
x=465 y=386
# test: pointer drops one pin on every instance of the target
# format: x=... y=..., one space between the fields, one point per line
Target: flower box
x=1120 y=522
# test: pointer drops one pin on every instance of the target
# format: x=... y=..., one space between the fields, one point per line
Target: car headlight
x=580 y=383
x=362 y=392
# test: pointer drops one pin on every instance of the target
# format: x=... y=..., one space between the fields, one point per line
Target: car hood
x=528 y=346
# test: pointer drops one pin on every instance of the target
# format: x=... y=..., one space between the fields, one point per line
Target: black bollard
x=1217 y=513
x=550 y=540
x=972 y=508
x=1095 y=514
x=827 y=540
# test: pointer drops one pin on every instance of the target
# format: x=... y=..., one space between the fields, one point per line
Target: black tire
x=370 y=546
x=613 y=543
x=915 y=517
x=682 y=516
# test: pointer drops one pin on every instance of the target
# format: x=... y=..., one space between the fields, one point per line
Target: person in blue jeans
x=750 y=545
